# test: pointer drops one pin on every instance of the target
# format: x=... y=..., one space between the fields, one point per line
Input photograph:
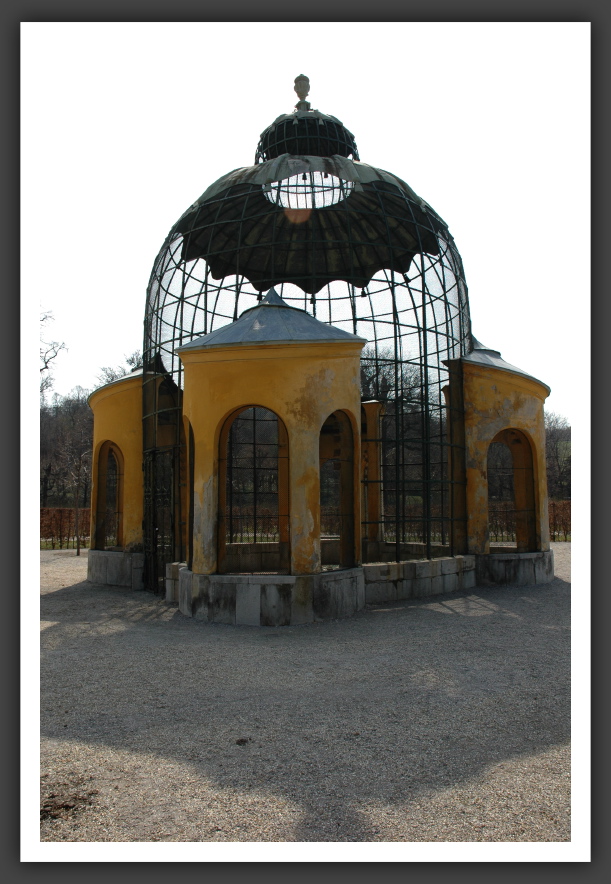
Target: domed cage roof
x=356 y=247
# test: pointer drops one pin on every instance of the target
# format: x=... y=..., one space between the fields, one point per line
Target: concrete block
x=450 y=582
x=301 y=600
x=201 y=607
x=346 y=591
x=448 y=565
x=321 y=600
x=465 y=563
x=521 y=571
x=96 y=566
x=513 y=568
x=185 y=592
x=544 y=567
x=408 y=570
x=337 y=594
x=375 y=573
x=360 y=590
x=222 y=603
x=395 y=570
x=247 y=604
x=423 y=569
x=404 y=589
x=437 y=585
x=137 y=570
x=435 y=566
x=138 y=578
x=467 y=580
x=119 y=569
x=172 y=571
x=275 y=605
x=421 y=587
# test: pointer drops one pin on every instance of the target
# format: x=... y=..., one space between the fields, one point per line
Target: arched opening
x=336 y=451
x=109 y=505
x=511 y=493
x=253 y=535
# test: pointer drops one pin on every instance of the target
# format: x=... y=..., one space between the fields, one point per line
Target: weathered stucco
x=497 y=400
x=117 y=418
x=302 y=384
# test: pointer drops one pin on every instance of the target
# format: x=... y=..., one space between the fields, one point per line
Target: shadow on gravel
x=384 y=707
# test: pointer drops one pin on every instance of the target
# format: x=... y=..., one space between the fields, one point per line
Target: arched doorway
x=337 y=529
x=511 y=493
x=253 y=531
x=109 y=505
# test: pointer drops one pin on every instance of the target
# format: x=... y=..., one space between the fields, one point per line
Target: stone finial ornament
x=302 y=88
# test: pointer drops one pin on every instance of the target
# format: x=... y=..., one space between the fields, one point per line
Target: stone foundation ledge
x=515 y=568
x=270 y=599
x=110 y=568
x=397 y=581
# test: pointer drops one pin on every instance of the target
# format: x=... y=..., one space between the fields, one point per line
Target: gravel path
x=442 y=719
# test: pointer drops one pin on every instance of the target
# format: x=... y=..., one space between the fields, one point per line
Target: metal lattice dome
x=354 y=246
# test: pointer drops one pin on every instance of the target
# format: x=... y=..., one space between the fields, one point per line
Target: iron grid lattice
x=370 y=258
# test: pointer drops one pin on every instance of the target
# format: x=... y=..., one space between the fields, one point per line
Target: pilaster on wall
x=455 y=407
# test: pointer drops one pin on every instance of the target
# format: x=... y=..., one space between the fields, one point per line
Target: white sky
x=125 y=124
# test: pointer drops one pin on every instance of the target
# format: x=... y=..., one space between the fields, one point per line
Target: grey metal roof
x=482 y=355
x=272 y=321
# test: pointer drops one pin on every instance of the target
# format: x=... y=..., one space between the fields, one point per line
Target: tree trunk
x=76 y=515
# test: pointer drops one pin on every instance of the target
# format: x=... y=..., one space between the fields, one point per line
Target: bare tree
x=558 y=456
x=383 y=378
x=109 y=374
x=49 y=350
x=75 y=451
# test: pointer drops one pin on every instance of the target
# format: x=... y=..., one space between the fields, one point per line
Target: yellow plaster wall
x=303 y=384
x=117 y=417
x=495 y=400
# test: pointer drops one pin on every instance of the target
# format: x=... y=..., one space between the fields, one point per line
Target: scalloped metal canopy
x=381 y=225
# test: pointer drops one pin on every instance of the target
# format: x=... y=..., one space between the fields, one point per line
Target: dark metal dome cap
x=305 y=132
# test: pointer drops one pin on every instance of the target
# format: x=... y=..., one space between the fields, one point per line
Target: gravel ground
x=444 y=719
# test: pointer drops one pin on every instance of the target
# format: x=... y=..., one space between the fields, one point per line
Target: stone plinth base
x=116 y=568
x=270 y=599
x=397 y=581
x=519 y=569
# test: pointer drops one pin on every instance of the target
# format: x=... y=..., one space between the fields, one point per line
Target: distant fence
x=560 y=519
x=502 y=521
x=57 y=528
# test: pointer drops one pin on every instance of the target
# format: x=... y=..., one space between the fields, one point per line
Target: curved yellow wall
x=303 y=384
x=496 y=400
x=117 y=417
